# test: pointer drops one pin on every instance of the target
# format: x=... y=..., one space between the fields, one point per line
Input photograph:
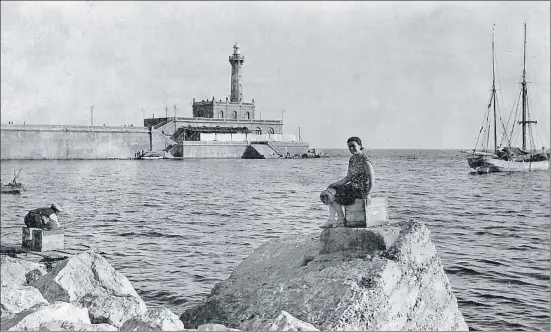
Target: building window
x=235 y=114
x=247 y=115
x=271 y=130
x=221 y=114
x=258 y=131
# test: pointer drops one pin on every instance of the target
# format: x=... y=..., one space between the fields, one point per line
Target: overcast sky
x=397 y=74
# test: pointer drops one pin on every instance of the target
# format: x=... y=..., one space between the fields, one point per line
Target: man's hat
x=57 y=207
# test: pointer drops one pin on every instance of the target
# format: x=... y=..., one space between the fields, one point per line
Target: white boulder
x=13 y=270
x=286 y=322
x=59 y=325
x=32 y=319
x=111 y=309
x=16 y=298
x=81 y=275
x=89 y=279
x=159 y=319
x=214 y=327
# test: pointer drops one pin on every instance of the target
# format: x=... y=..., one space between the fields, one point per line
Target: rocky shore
x=380 y=278
x=82 y=293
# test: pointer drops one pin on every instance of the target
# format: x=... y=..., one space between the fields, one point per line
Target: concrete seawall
x=100 y=142
x=75 y=142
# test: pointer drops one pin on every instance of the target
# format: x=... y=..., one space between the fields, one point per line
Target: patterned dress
x=357 y=181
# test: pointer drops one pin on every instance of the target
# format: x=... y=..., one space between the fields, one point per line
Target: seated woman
x=358 y=183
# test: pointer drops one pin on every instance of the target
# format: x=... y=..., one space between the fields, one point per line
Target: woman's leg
x=334 y=208
x=332 y=213
x=340 y=213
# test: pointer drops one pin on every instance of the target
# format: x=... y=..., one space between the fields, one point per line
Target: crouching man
x=44 y=217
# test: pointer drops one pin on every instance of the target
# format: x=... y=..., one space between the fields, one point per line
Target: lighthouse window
x=247 y=115
x=235 y=114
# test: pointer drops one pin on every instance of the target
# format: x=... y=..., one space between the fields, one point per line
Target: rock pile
x=83 y=292
x=380 y=278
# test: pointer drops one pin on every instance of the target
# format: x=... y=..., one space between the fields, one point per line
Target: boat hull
x=11 y=189
x=490 y=165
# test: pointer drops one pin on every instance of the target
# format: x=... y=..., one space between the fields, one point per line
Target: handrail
x=268 y=143
x=160 y=124
x=226 y=120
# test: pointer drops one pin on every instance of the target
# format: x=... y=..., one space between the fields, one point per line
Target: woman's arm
x=345 y=179
x=339 y=183
x=368 y=167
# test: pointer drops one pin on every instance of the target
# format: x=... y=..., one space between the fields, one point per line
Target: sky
x=400 y=75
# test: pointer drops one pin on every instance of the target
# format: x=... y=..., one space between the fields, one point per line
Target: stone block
x=37 y=239
x=342 y=239
x=355 y=214
x=361 y=214
x=377 y=212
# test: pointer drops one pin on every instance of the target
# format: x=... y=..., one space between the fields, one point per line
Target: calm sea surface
x=177 y=227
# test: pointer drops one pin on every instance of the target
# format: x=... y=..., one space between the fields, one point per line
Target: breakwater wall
x=76 y=142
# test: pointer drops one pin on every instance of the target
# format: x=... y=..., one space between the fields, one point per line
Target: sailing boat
x=13 y=187
x=509 y=158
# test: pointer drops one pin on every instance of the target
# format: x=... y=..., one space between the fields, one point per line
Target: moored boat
x=13 y=187
x=153 y=155
x=507 y=156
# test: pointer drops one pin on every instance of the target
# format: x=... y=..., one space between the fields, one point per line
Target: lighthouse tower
x=236 y=61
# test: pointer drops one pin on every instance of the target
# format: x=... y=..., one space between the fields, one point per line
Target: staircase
x=260 y=151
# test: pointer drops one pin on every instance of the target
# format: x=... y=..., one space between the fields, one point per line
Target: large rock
x=112 y=309
x=13 y=270
x=34 y=275
x=32 y=319
x=16 y=295
x=59 y=325
x=213 y=327
x=16 y=298
x=159 y=319
x=382 y=278
x=286 y=322
x=81 y=275
x=87 y=278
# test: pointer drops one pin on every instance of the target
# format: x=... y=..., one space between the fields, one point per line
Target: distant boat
x=13 y=187
x=151 y=155
x=506 y=156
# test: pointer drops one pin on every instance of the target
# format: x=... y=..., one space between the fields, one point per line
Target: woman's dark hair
x=357 y=140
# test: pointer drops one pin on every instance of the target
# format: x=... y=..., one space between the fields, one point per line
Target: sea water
x=177 y=227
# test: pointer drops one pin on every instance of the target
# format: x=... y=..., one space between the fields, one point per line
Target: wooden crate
x=360 y=215
x=37 y=239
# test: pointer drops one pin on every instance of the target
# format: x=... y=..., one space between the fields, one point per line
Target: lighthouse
x=236 y=61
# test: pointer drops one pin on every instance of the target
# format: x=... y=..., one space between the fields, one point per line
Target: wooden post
x=150 y=139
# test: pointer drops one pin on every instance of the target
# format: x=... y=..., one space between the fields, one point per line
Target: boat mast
x=524 y=94
x=524 y=121
x=494 y=91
